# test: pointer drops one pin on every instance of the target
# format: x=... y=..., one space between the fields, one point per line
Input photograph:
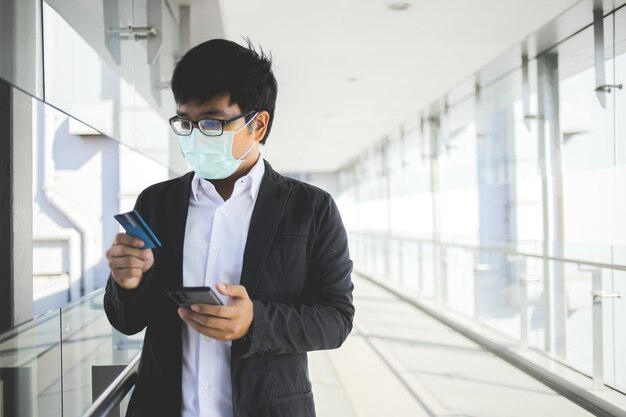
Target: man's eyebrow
x=216 y=112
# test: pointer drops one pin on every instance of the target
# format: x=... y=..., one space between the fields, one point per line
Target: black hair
x=219 y=66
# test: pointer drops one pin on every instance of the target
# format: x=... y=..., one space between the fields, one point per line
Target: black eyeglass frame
x=195 y=124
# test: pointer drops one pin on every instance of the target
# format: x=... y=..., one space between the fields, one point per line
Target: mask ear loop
x=249 y=121
x=255 y=142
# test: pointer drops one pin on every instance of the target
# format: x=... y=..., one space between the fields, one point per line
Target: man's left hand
x=227 y=322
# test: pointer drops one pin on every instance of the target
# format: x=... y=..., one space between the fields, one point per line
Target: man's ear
x=260 y=122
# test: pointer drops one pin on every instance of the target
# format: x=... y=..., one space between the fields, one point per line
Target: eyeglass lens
x=210 y=127
x=207 y=126
x=181 y=126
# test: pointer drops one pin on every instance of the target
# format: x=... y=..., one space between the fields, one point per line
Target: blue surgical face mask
x=211 y=157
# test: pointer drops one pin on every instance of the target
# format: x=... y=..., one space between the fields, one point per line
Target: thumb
x=238 y=291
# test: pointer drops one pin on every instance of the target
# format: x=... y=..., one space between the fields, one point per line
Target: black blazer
x=296 y=269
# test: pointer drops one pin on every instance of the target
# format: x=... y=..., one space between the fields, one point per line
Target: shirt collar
x=255 y=174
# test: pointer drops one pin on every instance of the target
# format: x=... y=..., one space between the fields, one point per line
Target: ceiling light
x=398 y=5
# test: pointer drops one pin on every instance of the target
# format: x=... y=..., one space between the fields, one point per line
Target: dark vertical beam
x=7 y=40
x=6 y=266
x=16 y=230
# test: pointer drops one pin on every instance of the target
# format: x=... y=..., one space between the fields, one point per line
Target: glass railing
x=58 y=363
x=567 y=309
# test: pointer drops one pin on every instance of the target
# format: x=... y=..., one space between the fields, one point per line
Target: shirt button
x=222 y=210
x=205 y=385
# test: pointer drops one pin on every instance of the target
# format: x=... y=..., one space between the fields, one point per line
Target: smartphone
x=137 y=227
x=187 y=296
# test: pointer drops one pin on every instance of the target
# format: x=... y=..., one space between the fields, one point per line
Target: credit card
x=137 y=227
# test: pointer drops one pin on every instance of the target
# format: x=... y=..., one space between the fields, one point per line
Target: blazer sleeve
x=128 y=310
x=321 y=324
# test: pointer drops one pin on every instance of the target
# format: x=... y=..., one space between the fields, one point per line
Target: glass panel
x=460 y=280
x=30 y=366
x=72 y=207
x=616 y=313
x=364 y=252
x=101 y=94
x=346 y=202
x=80 y=180
x=609 y=305
x=410 y=198
x=458 y=182
x=591 y=214
x=154 y=65
x=532 y=276
x=527 y=193
x=428 y=270
x=497 y=293
x=393 y=249
x=381 y=256
x=619 y=251
x=410 y=265
x=496 y=119
x=578 y=318
x=90 y=342
x=587 y=128
x=619 y=95
x=20 y=42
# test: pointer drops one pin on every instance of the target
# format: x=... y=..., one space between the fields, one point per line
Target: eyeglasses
x=210 y=127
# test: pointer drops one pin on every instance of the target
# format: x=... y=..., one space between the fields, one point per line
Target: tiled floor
x=400 y=362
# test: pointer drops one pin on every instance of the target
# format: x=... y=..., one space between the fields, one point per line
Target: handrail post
x=598 y=331
x=443 y=275
x=420 y=270
x=476 y=274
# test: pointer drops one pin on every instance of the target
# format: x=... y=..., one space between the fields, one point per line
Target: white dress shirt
x=215 y=239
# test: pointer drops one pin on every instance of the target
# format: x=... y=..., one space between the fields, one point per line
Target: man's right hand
x=127 y=261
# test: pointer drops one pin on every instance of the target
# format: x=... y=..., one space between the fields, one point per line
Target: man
x=273 y=247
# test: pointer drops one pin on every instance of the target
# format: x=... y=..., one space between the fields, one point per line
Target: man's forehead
x=219 y=106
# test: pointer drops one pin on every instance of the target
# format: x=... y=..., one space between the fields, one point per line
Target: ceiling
x=349 y=71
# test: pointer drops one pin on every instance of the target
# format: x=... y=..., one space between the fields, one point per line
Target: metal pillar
x=434 y=125
x=552 y=180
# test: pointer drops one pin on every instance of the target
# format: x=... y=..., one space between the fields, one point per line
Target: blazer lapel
x=268 y=210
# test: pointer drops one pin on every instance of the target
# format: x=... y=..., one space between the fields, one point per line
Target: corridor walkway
x=399 y=362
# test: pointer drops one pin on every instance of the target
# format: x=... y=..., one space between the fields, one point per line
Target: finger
x=212 y=333
x=128 y=284
x=237 y=291
x=126 y=262
x=126 y=274
x=226 y=312
x=212 y=322
x=126 y=239
x=148 y=260
x=124 y=250
x=201 y=329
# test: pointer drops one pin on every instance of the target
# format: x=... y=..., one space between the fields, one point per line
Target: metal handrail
x=47 y=316
x=502 y=250
x=115 y=392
